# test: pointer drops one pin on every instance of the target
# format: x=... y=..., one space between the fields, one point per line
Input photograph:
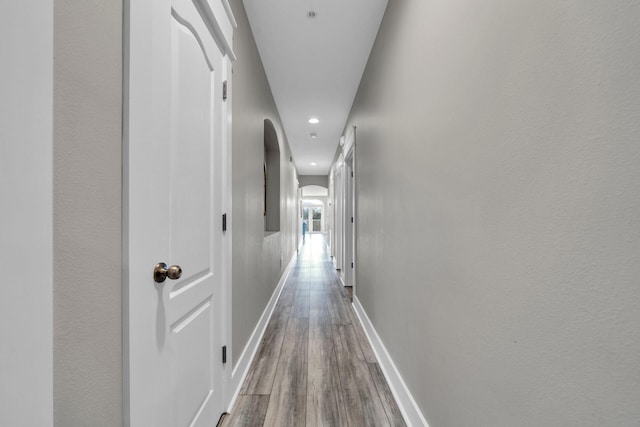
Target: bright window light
x=314 y=120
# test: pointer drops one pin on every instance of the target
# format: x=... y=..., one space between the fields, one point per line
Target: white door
x=176 y=179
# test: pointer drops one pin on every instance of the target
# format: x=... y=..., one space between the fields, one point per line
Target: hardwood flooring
x=314 y=366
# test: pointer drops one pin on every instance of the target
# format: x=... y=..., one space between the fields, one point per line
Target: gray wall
x=258 y=260
x=87 y=213
x=321 y=180
x=272 y=217
x=499 y=208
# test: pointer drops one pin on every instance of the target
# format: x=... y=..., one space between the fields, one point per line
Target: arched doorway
x=313 y=209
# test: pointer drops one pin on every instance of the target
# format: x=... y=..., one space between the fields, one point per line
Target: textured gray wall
x=87 y=213
x=321 y=180
x=499 y=208
x=258 y=260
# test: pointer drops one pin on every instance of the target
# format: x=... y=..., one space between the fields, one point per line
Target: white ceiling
x=314 y=66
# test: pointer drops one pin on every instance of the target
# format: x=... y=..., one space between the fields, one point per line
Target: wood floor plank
x=358 y=389
x=325 y=407
x=260 y=377
x=388 y=401
x=300 y=306
x=320 y=296
x=319 y=319
x=338 y=310
x=287 y=406
x=287 y=294
x=365 y=346
x=248 y=411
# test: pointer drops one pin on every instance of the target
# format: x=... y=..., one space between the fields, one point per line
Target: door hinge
x=224 y=222
x=351 y=220
x=351 y=265
x=224 y=354
x=224 y=90
x=351 y=174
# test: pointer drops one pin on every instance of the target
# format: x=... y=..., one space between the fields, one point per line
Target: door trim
x=221 y=29
x=350 y=209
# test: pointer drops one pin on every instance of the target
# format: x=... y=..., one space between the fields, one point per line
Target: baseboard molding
x=241 y=368
x=408 y=406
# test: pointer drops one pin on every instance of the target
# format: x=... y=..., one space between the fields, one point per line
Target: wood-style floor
x=314 y=366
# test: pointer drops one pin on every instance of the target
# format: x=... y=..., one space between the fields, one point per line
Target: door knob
x=161 y=272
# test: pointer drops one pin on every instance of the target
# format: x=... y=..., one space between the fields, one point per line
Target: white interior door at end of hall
x=175 y=182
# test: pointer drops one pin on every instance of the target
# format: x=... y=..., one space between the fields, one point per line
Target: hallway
x=314 y=366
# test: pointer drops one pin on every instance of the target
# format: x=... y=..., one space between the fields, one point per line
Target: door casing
x=349 y=196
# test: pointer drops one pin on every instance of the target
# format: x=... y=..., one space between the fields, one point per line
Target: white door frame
x=350 y=210
x=331 y=203
x=339 y=215
x=299 y=217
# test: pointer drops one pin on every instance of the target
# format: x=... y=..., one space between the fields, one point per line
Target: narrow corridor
x=314 y=366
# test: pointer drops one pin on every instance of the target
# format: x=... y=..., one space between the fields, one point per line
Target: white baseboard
x=408 y=406
x=241 y=368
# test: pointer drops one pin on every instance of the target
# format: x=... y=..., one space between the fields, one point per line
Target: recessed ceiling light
x=314 y=135
x=313 y=163
x=314 y=120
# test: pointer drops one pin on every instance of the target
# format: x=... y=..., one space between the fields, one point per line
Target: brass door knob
x=161 y=272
